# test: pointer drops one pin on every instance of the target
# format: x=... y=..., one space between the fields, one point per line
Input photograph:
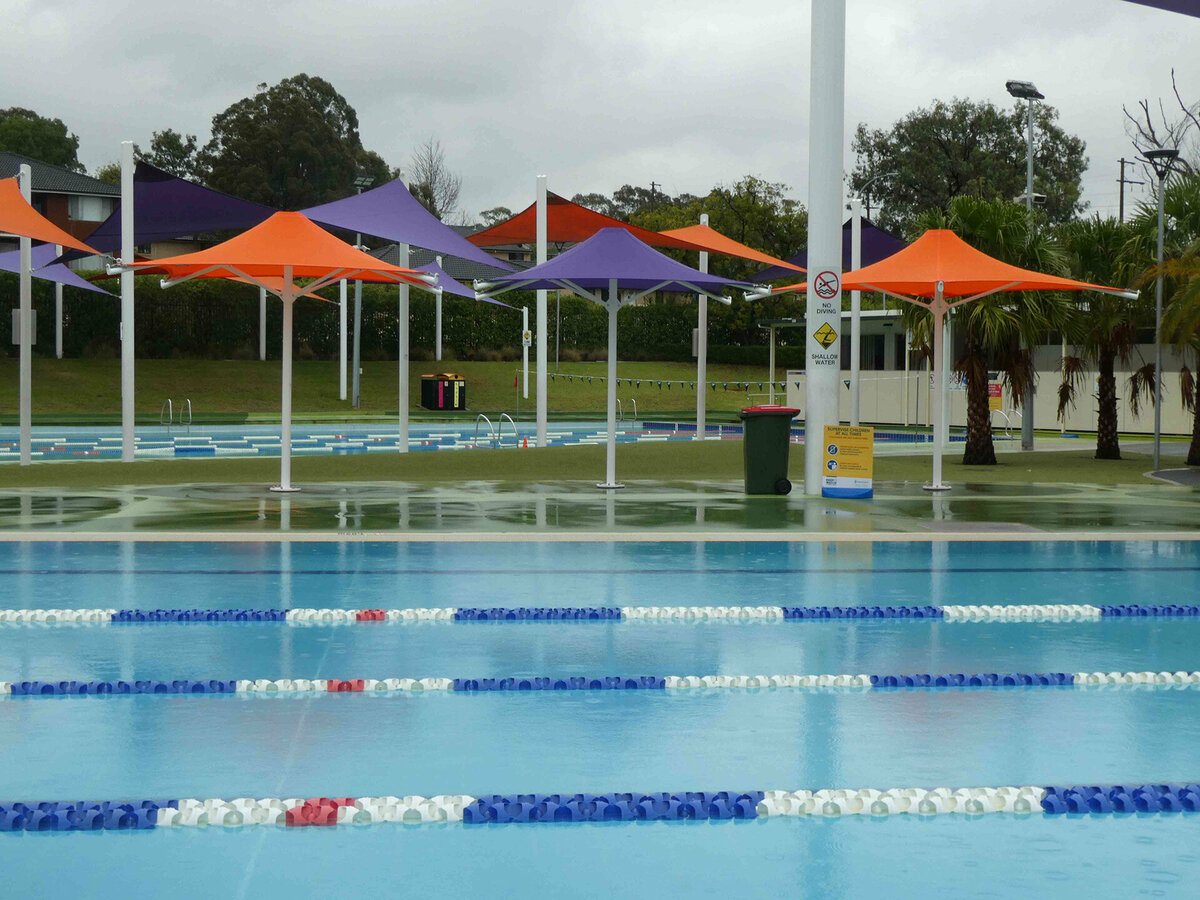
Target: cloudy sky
x=593 y=94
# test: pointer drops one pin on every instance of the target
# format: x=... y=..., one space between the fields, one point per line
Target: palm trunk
x=1193 y=457
x=1108 y=445
x=979 y=450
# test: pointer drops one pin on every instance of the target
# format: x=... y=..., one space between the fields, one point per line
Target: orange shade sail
x=939 y=256
x=286 y=239
x=567 y=223
x=714 y=242
x=19 y=218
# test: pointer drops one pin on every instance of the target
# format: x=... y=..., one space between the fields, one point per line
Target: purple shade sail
x=1187 y=7
x=876 y=245
x=46 y=269
x=615 y=253
x=166 y=207
x=450 y=285
x=391 y=212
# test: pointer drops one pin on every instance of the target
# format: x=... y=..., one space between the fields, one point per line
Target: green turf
x=88 y=391
x=666 y=461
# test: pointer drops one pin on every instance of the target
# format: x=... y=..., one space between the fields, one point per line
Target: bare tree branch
x=432 y=183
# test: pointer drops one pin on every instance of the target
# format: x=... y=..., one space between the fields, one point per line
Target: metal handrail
x=166 y=415
x=620 y=411
x=187 y=404
x=1007 y=421
x=500 y=430
x=491 y=429
x=633 y=400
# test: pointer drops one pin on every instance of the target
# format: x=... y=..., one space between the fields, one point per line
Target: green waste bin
x=766 y=437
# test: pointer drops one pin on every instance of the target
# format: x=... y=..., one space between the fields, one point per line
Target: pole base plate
x=610 y=487
x=934 y=488
x=281 y=489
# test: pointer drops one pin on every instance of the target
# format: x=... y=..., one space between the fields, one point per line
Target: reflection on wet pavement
x=578 y=506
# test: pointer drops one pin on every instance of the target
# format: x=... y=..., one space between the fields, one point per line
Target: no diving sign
x=827 y=284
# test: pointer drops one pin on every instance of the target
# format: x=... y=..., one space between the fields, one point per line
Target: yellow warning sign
x=825 y=335
x=849 y=461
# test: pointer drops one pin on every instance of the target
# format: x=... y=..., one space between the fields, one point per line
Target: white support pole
x=343 y=287
x=524 y=354
x=127 y=334
x=610 y=454
x=824 y=300
x=907 y=377
x=25 y=329
x=402 y=331
x=262 y=324
x=58 y=312
x=437 y=319
x=855 y=309
x=702 y=350
x=542 y=324
x=288 y=296
x=944 y=380
x=771 y=366
x=1027 y=418
x=1063 y=371
x=938 y=309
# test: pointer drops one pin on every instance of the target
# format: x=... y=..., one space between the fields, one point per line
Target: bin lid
x=444 y=376
x=769 y=408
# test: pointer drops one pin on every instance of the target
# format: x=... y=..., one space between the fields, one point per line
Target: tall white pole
x=771 y=366
x=262 y=324
x=402 y=331
x=856 y=211
x=702 y=349
x=610 y=453
x=907 y=378
x=25 y=328
x=343 y=287
x=827 y=92
x=58 y=312
x=524 y=353
x=1158 y=305
x=127 y=335
x=944 y=381
x=437 y=318
x=1027 y=421
x=939 y=365
x=288 y=296
x=542 y=324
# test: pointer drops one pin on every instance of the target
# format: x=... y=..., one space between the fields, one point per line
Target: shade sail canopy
x=1187 y=7
x=875 y=245
x=613 y=253
x=166 y=207
x=286 y=239
x=19 y=218
x=46 y=269
x=715 y=242
x=454 y=286
x=391 y=212
x=940 y=257
x=567 y=223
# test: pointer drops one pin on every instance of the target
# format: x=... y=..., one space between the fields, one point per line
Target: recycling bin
x=766 y=437
x=443 y=390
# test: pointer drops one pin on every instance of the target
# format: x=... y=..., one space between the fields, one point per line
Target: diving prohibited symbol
x=827 y=285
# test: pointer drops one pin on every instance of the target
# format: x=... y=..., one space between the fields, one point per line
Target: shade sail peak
x=714 y=242
x=19 y=218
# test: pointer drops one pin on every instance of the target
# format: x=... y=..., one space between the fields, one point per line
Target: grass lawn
x=673 y=461
x=89 y=390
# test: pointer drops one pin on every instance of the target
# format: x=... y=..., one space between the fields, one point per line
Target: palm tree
x=1181 y=326
x=996 y=328
x=1105 y=330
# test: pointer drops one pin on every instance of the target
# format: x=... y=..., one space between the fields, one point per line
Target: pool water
x=399 y=743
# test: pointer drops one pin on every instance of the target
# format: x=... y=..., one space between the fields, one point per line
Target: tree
x=175 y=154
x=1181 y=325
x=965 y=148
x=291 y=145
x=110 y=172
x=432 y=182
x=995 y=328
x=1179 y=129
x=1105 y=328
x=24 y=131
x=496 y=214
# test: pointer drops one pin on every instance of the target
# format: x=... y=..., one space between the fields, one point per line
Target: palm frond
x=1187 y=389
x=1141 y=388
x=1074 y=370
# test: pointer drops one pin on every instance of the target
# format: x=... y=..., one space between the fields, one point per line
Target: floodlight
x=1024 y=90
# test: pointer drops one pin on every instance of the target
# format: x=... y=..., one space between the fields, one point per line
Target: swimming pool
x=480 y=743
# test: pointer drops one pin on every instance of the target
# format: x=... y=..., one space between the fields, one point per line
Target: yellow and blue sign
x=849 y=462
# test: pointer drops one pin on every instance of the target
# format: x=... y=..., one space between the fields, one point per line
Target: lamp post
x=362 y=181
x=1162 y=161
x=1024 y=90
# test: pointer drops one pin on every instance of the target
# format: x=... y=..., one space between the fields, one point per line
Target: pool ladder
x=166 y=415
x=621 y=411
x=496 y=432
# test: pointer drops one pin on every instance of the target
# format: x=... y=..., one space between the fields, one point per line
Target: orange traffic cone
x=526 y=444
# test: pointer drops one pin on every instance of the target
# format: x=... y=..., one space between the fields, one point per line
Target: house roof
x=48 y=179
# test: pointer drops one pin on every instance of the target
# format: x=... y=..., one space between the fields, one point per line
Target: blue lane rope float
x=549 y=809
x=1061 y=612
x=877 y=682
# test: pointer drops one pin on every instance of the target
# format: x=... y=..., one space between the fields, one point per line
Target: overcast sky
x=593 y=94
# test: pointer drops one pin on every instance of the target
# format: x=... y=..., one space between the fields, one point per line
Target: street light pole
x=1024 y=90
x=1161 y=160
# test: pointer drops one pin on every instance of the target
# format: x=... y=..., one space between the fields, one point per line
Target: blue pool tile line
x=879 y=682
x=337 y=616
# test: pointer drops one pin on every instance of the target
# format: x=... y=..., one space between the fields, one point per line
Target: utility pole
x=1122 y=181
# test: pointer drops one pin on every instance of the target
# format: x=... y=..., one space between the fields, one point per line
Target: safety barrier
x=602 y=683
x=1059 y=612
x=502 y=809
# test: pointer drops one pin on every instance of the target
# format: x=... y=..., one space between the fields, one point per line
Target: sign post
x=526 y=341
x=848 y=462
